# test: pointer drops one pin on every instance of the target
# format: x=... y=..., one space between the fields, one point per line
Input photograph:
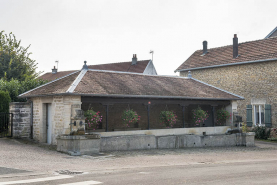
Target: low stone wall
x=142 y=142
x=21 y=119
x=78 y=144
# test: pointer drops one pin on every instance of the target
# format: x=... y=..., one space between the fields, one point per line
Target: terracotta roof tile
x=121 y=66
x=53 y=76
x=248 y=51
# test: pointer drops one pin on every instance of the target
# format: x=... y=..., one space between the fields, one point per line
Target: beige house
x=57 y=104
x=248 y=69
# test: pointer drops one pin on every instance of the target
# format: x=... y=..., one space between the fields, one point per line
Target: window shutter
x=268 y=115
x=249 y=115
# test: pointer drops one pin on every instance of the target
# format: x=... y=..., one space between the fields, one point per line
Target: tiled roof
x=103 y=83
x=53 y=76
x=121 y=66
x=258 y=50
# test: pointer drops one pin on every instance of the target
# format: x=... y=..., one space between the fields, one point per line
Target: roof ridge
x=141 y=74
x=239 y=43
x=117 y=62
x=217 y=88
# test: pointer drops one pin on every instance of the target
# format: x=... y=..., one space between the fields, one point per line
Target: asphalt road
x=235 y=165
x=258 y=172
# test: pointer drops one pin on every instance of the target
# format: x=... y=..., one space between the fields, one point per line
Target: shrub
x=261 y=132
x=199 y=116
x=93 y=119
x=221 y=116
x=129 y=117
x=5 y=100
x=168 y=118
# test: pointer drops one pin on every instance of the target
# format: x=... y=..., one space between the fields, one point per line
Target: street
x=233 y=165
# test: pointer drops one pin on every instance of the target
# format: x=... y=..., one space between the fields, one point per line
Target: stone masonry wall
x=21 y=119
x=60 y=116
x=254 y=82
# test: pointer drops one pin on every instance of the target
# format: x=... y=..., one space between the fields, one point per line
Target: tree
x=14 y=59
x=5 y=100
x=15 y=87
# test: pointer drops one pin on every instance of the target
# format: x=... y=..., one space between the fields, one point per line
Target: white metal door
x=49 y=124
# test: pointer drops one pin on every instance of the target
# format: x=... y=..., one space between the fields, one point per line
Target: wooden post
x=213 y=115
x=107 y=114
x=183 y=110
x=148 y=114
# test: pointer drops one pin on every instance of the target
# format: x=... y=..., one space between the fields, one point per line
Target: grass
x=268 y=140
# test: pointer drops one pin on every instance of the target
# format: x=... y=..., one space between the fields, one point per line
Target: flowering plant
x=199 y=116
x=222 y=115
x=168 y=118
x=129 y=117
x=93 y=119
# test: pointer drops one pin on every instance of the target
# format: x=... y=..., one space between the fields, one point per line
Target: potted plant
x=221 y=116
x=199 y=116
x=130 y=117
x=93 y=119
x=168 y=118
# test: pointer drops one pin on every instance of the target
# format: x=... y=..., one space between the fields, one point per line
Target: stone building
x=134 y=66
x=248 y=69
x=56 y=105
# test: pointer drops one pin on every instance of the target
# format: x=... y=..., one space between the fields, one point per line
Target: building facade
x=248 y=69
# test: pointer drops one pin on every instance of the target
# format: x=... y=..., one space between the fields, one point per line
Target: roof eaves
x=47 y=83
x=239 y=97
x=135 y=96
x=271 y=33
x=77 y=81
x=231 y=64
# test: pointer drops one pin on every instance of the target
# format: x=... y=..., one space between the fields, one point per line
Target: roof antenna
x=57 y=64
x=151 y=52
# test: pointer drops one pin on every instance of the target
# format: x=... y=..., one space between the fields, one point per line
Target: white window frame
x=260 y=114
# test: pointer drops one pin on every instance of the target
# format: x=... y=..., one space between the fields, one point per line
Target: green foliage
x=15 y=87
x=14 y=59
x=129 y=117
x=261 y=132
x=244 y=127
x=222 y=115
x=199 y=116
x=5 y=100
x=93 y=119
x=168 y=118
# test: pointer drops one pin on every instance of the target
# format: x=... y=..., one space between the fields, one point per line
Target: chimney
x=205 y=47
x=54 y=71
x=235 y=46
x=134 y=59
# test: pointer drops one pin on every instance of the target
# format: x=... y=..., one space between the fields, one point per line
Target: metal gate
x=6 y=124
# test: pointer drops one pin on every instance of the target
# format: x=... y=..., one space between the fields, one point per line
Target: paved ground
x=192 y=166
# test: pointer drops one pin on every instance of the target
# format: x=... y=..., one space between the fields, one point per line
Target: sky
x=108 y=31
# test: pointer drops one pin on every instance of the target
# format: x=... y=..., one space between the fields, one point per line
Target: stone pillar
x=21 y=119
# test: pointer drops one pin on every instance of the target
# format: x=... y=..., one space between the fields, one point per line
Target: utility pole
x=151 y=52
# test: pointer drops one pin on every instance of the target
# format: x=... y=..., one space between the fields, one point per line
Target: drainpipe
x=31 y=121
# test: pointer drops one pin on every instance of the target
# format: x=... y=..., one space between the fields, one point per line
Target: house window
x=258 y=115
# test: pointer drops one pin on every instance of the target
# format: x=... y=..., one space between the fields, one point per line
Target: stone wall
x=21 y=119
x=255 y=82
x=60 y=116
